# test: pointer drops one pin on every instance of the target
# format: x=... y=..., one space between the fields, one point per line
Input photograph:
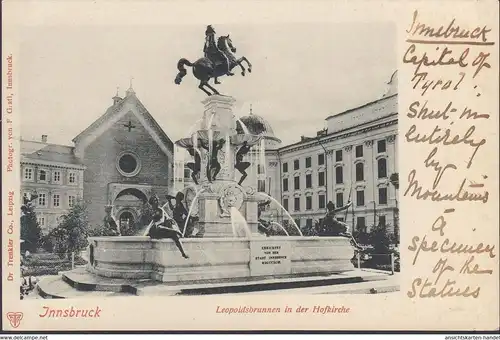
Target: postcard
x=250 y=165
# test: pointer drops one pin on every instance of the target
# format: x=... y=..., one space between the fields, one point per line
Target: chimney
x=44 y=138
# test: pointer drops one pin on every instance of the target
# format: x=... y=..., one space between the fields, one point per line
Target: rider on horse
x=212 y=52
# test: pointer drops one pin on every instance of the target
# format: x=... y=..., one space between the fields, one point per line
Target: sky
x=302 y=73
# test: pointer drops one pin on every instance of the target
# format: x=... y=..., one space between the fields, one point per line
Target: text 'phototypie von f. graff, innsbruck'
x=8 y=110
x=446 y=60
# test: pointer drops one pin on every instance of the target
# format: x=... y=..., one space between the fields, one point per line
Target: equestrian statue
x=218 y=61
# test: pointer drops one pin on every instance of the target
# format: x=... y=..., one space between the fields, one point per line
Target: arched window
x=382 y=168
x=360 y=172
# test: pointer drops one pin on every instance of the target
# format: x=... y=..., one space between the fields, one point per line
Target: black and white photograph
x=211 y=159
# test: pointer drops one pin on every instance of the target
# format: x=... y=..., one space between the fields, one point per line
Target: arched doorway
x=132 y=192
x=128 y=205
x=127 y=222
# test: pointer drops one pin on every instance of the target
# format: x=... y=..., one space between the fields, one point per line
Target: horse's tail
x=182 y=71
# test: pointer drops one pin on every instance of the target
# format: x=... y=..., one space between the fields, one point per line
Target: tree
x=71 y=233
x=380 y=246
x=30 y=229
x=380 y=239
x=395 y=180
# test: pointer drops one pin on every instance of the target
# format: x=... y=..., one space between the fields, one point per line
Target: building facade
x=121 y=159
x=55 y=174
x=352 y=159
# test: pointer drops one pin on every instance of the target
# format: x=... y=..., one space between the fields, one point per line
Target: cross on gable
x=129 y=126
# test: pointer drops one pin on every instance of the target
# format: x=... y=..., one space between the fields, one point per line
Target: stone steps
x=56 y=288
x=82 y=283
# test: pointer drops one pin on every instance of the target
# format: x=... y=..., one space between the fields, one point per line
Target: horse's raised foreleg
x=238 y=62
x=249 y=64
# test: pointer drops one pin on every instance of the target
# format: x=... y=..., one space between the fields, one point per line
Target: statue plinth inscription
x=270 y=258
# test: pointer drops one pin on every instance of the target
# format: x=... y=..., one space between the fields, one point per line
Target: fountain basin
x=218 y=259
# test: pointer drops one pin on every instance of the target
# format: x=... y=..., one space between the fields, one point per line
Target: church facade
x=123 y=158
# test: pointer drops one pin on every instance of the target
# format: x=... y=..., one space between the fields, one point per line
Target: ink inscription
x=448 y=61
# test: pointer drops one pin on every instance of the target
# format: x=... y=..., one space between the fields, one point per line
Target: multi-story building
x=55 y=174
x=352 y=159
x=121 y=159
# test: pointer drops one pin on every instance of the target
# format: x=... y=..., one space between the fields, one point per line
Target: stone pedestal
x=219 y=200
x=220 y=259
x=219 y=115
x=225 y=209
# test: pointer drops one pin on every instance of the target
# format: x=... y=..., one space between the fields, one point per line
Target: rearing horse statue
x=204 y=68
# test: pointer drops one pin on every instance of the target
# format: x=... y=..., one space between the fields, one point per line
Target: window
x=340 y=199
x=308 y=162
x=360 y=172
x=308 y=181
x=296 y=164
x=187 y=173
x=260 y=169
x=56 y=200
x=285 y=204
x=360 y=198
x=128 y=164
x=309 y=204
x=382 y=168
x=309 y=222
x=296 y=181
x=296 y=204
x=382 y=195
x=321 y=159
x=261 y=185
x=338 y=156
x=321 y=179
x=72 y=177
x=339 y=175
x=56 y=176
x=285 y=184
x=361 y=223
x=41 y=221
x=381 y=220
x=42 y=175
x=71 y=201
x=381 y=147
x=297 y=222
x=42 y=199
x=28 y=174
x=340 y=219
x=285 y=167
x=359 y=151
x=321 y=201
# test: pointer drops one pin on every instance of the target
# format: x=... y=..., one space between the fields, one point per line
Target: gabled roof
x=128 y=104
x=39 y=151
